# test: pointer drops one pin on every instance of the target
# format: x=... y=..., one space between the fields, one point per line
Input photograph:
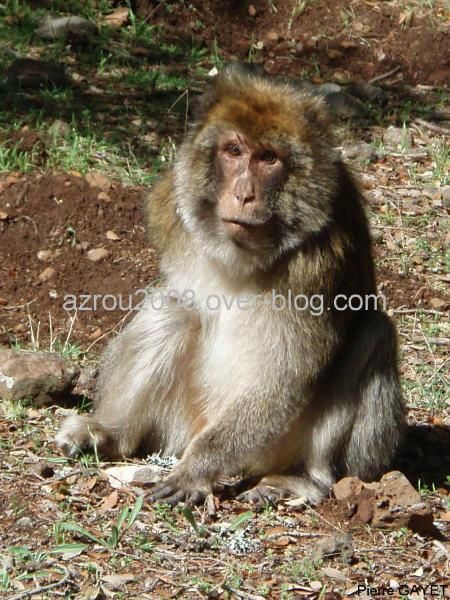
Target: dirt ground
x=75 y=231
x=335 y=39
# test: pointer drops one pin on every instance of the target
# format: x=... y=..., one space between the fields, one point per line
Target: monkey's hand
x=178 y=487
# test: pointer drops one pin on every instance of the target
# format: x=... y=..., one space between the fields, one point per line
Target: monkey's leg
x=356 y=421
x=140 y=391
x=376 y=398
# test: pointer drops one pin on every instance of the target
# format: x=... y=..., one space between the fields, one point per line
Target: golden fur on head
x=261 y=107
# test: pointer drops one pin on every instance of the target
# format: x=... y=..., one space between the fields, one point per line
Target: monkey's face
x=249 y=176
x=256 y=178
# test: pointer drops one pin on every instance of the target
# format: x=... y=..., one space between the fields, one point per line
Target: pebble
x=112 y=235
x=98 y=180
x=104 y=196
x=97 y=254
x=251 y=10
x=44 y=255
x=47 y=274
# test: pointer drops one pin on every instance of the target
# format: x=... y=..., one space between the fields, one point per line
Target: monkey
x=225 y=373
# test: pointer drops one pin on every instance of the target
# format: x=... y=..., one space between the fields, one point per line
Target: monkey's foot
x=78 y=434
x=263 y=494
x=172 y=491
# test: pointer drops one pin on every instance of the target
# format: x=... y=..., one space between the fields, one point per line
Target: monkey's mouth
x=246 y=221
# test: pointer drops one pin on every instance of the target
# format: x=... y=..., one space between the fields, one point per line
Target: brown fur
x=290 y=396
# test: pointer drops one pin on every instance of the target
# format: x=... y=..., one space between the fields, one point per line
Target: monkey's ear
x=200 y=105
x=316 y=113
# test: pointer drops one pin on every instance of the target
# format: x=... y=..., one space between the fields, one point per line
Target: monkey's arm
x=241 y=439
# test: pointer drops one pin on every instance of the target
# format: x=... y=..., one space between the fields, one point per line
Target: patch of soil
x=356 y=40
x=49 y=224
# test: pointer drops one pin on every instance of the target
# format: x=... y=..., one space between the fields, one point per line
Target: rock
x=38 y=376
x=98 y=180
x=105 y=197
x=24 y=523
x=3 y=215
x=86 y=381
x=29 y=73
x=391 y=502
x=251 y=10
x=344 y=105
x=339 y=545
x=121 y=476
x=71 y=27
x=271 y=37
x=437 y=303
x=361 y=151
x=118 y=18
x=446 y=196
x=112 y=235
x=45 y=255
x=346 y=487
x=97 y=254
x=59 y=129
x=366 y=92
x=397 y=138
x=398 y=503
x=334 y=54
x=47 y=274
x=328 y=88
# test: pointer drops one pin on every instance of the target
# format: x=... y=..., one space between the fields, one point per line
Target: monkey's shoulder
x=163 y=223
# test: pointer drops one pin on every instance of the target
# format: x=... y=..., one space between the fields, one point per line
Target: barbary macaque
x=230 y=372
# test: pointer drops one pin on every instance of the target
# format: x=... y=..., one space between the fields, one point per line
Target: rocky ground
x=81 y=139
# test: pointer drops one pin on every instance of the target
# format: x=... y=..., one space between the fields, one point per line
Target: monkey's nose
x=245 y=198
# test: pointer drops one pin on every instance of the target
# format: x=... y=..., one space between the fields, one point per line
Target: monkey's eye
x=269 y=157
x=233 y=150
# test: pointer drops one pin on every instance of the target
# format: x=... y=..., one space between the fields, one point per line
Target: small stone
x=112 y=235
x=24 y=523
x=85 y=246
x=437 y=303
x=3 y=215
x=97 y=254
x=367 y=92
x=346 y=487
x=118 y=18
x=339 y=545
x=86 y=383
x=59 y=129
x=361 y=151
x=29 y=73
x=251 y=10
x=334 y=54
x=344 y=105
x=397 y=138
x=446 y=196
x=328 y=88
x=271 y=37
x=73 y=27
x=98 y=180
x=104 y=197
x=45 y=255
x=47 y=274
x=95 y=334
